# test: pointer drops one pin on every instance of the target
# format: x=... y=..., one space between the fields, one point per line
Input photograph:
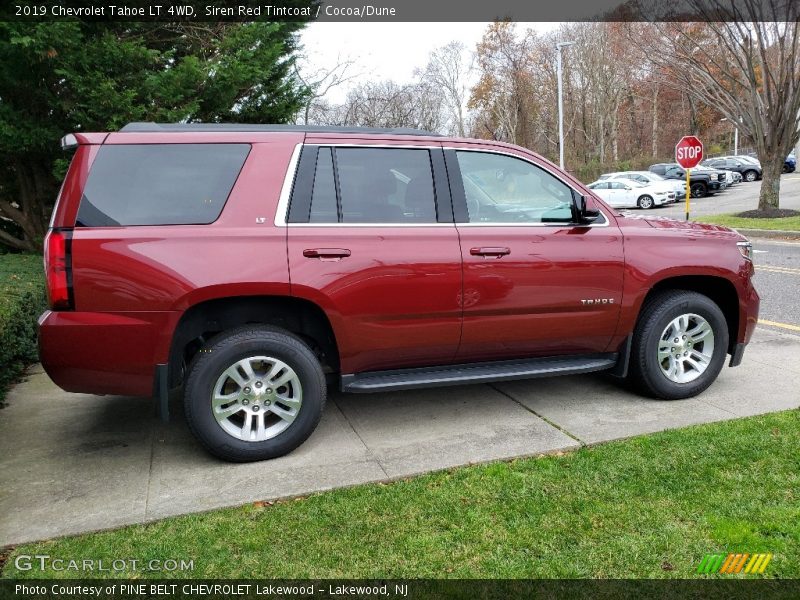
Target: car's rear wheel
x=698 y=190
x=679 y=345
x=253 y=393
x=750 y=175
x=645 y=202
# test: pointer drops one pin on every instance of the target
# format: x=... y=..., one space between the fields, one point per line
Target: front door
x=535 y=283
x=371 y=240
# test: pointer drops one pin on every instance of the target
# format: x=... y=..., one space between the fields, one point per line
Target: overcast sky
x=387 y=50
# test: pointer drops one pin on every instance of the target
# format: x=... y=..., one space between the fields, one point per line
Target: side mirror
x=585 y=215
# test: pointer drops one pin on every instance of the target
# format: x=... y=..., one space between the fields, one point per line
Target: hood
x=691 y=227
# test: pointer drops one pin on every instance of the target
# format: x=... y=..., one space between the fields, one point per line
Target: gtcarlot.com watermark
x=45 y=562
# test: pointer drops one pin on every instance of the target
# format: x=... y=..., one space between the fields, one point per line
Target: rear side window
x=160 y=184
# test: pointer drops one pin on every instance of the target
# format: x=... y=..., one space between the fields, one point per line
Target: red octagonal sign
x=689 y=151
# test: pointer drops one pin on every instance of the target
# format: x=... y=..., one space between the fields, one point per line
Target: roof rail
x=245 y=127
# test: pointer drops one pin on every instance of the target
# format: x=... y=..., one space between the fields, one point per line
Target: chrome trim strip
x=372 y=224
x=286 y=189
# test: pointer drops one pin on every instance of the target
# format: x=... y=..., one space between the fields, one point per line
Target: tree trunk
x=768 y=198
x=602 y=140
x=655 y=122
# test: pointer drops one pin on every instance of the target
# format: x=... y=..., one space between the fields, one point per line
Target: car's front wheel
x=750 y=175
x=698 y=190
x=679 y=345
x=253 y=393
x=645 y=202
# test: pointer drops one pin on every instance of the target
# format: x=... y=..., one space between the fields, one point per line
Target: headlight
x=746 y=249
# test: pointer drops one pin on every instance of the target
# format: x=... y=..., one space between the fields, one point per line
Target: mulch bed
x=771 y=213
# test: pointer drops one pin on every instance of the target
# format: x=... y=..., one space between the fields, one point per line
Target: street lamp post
x=559 y=46
x=735 y=137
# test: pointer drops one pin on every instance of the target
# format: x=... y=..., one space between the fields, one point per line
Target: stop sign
x=689 y=151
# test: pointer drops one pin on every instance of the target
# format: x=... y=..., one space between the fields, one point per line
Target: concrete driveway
x=72 y=463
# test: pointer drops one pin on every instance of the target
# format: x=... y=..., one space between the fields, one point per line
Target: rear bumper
x=105 y=353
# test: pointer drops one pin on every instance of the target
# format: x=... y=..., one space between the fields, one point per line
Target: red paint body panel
x=104 y=353
x=394 y=302
x=404 y=296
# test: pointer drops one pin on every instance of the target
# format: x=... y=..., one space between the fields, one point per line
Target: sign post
x=688 y=154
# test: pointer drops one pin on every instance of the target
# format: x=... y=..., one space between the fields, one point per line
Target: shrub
x=22 y=300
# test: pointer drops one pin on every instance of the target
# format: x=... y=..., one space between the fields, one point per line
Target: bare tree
x=504 y=91
x=390 y=104
x=747 y=68
x=320 y=82
x=447 y=72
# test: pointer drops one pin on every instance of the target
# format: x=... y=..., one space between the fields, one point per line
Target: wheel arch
x=203 y=320
x=719 y=289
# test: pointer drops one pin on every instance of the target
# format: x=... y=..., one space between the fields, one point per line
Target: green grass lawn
x=783 y=223
x=650 y=506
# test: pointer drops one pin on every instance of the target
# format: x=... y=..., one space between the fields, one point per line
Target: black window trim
x=298 y=211
x=459 y=198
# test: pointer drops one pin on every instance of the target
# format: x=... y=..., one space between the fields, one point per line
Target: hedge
x=22 y=300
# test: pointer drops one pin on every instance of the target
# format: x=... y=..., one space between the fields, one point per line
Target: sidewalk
x=74 y=463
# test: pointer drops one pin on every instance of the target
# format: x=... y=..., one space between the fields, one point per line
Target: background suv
x=253 y=266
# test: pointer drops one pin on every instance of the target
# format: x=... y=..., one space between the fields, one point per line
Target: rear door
x=535 y=284
x=371 y=240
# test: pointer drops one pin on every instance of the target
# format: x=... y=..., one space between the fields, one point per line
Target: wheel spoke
x=247 y=368
x=286 y=415
x=680 y=370
x=261 y=432
x=703 y=359
x=233 y=373
x=291 y=402
x=247 y=427
x=221 y=414
x=287 y=376
x=220 y=399
x=700 y=332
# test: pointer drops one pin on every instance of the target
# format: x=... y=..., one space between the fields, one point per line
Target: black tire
x=645 y=373
x=645 y=202
x=698 y=190
x=224 y=351
x=750 y=175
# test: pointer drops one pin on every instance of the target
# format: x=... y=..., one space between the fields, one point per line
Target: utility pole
x=559 y=46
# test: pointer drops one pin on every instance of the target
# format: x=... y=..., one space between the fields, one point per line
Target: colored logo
x=734 y=563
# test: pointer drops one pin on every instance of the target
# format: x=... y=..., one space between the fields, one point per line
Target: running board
x=484 y=372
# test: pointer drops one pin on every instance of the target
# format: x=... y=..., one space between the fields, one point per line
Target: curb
x=769 y=233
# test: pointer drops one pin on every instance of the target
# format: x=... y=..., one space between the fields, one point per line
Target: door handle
x=496 y=252
x=326 y=253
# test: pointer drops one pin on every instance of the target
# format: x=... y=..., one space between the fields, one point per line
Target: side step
x=406 y=379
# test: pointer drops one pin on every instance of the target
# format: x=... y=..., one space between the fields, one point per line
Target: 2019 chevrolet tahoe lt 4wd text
x=256 y=266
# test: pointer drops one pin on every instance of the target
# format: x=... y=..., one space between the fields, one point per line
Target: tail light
x=58 y=268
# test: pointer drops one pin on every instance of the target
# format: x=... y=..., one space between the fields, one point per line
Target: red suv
x=254 y=265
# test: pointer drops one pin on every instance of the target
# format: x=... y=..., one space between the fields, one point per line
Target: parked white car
x=648 y=178
x=630 y=194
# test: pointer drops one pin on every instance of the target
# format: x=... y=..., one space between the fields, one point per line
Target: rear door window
x=160 y=184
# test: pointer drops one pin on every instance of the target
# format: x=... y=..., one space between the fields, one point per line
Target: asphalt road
x=740 y=197
x=778 y=283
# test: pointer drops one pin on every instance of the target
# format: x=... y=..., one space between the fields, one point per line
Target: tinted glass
x=385 y=185
x=503 y=189
x=323 y=194
x=160 y=184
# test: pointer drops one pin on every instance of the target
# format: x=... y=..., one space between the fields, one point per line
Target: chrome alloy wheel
x=256 y=398
x=685 y=348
